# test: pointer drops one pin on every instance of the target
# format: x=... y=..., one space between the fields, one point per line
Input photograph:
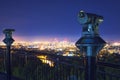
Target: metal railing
x=108 y=71
x=50 y=67
x=41 y=68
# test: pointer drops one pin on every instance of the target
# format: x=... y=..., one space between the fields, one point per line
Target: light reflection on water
x=44 y=60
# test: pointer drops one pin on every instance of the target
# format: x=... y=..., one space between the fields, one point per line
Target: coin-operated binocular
x=90 y=33
x=8 y=41
x=90 y=23
x=90 y=43
x=8 y=36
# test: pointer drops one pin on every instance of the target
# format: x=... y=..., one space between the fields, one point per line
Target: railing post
x=90 y=42
x=8 y=41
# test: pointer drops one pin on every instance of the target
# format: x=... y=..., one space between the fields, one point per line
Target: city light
x=116 y=44
x=45 y=60
x=64 y=46
x=42 y=45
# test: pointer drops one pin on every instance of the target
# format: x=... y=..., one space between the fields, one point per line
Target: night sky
x=38 y=19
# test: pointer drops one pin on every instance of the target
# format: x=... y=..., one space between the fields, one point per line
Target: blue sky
x=57 y=18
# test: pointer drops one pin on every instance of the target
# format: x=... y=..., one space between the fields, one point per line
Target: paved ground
x=3 y=77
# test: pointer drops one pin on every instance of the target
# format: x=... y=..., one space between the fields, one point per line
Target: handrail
x=106 y=64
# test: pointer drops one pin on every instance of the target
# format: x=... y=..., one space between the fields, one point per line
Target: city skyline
x=35 y=20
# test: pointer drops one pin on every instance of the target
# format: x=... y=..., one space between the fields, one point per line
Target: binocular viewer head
x=88 y=18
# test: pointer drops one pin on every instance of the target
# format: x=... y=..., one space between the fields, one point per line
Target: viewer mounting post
x=8 y=41
x=90 y=42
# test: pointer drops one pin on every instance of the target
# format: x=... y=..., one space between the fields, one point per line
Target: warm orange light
x=45 y=60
